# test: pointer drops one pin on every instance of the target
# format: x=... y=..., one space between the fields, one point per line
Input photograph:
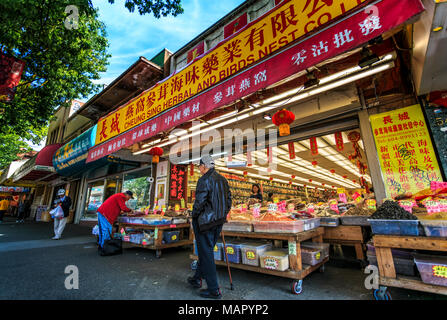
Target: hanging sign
x=178 y=182
x=405 y=150
x=339 y=141
x=342 y=36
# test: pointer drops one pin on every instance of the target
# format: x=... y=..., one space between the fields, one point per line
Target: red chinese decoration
x=290 y=182
x=345 y=177
x=339 y=141
x=310 y=180
x=354 y=137
x=156 y=152
x=249 y=161
x=313 y=146
x=291 y=150
x=315 y=163
x=283 y=119
x=332 y=171
x=245 y=174
x=11 y=70
x=271 y=178
x=269 y=155
x=178 y=182
x=194 y=53
x=191 y=169
x=235 y=25
x=293 y=177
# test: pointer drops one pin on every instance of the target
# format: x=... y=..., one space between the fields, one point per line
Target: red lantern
x=339 y=141
x=314 y=163
x=354 y=181
x=345 y=177
x=293 y=177
x=156 y=152
x=245 y=174
x=291 y=150
x=271 y=178
x=310 y=180
x=283 y=119
x=323 y=184
x=290 y=182
x=332 y=171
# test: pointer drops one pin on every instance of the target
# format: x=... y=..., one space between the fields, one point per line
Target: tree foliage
x=10 y=146
x=157 y=7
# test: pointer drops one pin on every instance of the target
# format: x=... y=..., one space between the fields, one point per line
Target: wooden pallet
x=347 y=236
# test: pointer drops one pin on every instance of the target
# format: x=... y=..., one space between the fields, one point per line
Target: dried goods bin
x=433 y=269
x=314 y=253
x=275 y=260
x=329 y=221
x=311 y=223
x=355 y=221
x=395 y=227
x=233 y=252
x=435 y=228
x=171 y=236
x=238 y=226
x=251 y=252
x=279 y=226
x=403 y=266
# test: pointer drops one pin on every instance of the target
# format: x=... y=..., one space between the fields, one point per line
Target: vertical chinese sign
x=178 y=182
x=405 y=150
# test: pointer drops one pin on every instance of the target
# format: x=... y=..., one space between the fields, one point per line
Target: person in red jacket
x=109 y=211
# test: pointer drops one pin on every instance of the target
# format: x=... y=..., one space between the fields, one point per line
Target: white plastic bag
x=57 y=212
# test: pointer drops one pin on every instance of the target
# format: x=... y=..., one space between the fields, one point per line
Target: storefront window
x=137 y=182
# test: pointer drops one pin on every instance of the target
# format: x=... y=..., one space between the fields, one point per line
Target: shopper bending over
x=211 y=206
x=109 y=211
x=59 y=223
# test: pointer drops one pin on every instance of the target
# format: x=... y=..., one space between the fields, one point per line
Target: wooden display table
x=185 y=237
x=387 y=272
x=297 y=270
x=347 y=236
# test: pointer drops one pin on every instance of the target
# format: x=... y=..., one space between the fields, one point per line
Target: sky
x=131 y=35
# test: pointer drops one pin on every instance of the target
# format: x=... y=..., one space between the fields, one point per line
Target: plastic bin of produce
x=252 y=251
x=396 y=227
x=311 y=223
x=435 y=228
x=238 y=226
x=275 y=260
x=329 y=221
x=355 y=220
x=279 y=226
x=233 y=252
x=433 y=269
x=397 y=253
x=313 y=253
x=171 y=236
x=402 y=266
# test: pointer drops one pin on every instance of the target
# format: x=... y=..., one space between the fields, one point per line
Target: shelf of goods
x=253 y=251
x=163 y=236
x=432 y=268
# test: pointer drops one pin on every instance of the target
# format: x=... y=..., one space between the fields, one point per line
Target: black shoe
x=205 y=293
x=196 y=283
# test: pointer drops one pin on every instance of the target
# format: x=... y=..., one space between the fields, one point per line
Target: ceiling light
x=267 y=117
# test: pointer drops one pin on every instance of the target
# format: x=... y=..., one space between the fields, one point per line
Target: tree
x=157 y=7
x=10 y=146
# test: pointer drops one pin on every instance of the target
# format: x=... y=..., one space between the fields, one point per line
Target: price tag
x=311 y=209
x=275 y=200
x=230 y=250
x=256 y=212
x=407 y=205
x=355 y=195
x=440 y=271
x=318 y=256
x=341 y=190
x=291 y=207
x=443 y=205
x=371 y=204
x=244 y=208
x=156 y=233
x=273 y=207
x=333 y=205
x=174 y=237
x=342 y=197
x=250 y=255
x=177 y=207
x=182 y=203
x=358 y=200
x=438 y=185
x=216 y=248
x=432 y=206
x=172 y=226
x=292 y=248
x=123 y=232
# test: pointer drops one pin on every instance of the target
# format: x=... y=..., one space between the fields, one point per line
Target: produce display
x=391 y=210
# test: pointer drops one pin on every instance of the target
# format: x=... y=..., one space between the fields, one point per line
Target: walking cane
x=226 y=259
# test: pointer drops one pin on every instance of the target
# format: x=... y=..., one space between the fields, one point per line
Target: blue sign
x=70 y=159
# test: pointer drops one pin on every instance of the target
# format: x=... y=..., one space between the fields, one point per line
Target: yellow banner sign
x=405 y=150
x=283 y=25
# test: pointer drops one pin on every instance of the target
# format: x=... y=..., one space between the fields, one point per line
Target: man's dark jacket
x=213 y=200
x=66 y=204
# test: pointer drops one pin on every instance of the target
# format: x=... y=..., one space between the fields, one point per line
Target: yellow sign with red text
x=288 y=22
x=405 y=150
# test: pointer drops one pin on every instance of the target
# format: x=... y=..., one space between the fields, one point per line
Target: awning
x=40 y=167
x=70 y=158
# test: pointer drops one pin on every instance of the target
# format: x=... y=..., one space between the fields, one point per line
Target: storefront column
x=371 y=155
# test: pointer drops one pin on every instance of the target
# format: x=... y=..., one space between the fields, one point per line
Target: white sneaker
x=55 y=238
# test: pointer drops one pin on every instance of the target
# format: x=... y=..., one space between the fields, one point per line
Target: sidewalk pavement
x=32 y=266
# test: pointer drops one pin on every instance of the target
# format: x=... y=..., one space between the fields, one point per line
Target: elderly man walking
x=211 y=206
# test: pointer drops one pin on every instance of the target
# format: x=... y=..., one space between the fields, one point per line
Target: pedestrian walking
x=109 y=211
x=211 y=206
x=4 y=204
x=24 y=206
x=59 y=223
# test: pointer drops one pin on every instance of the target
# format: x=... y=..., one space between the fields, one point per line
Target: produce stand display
x=297 y=271
x=387 y=271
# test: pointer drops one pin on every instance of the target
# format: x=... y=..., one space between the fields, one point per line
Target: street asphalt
x=32 y=266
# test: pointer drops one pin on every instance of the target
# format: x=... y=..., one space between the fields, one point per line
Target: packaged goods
x=395 y=227
x=279 y=226
x=390 y=210
x=314 y=253
x=252 y=251
x=434 y=228
x=329 y=221
x=356 y=211
x=275 y=260
x=433 y=269
x=311 y=223
x=233 y=251
x=171 y=236
x=402 y=266
x=238 y=226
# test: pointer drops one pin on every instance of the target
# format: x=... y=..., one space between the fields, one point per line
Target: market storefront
x=356 y=137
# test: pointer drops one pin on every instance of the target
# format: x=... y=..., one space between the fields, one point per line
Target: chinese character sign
x=178 y=182
x=405 y=150
x=277 y=28
x=11 y=70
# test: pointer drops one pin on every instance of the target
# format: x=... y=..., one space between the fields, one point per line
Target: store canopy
x=40 y=167
x=70 y=158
